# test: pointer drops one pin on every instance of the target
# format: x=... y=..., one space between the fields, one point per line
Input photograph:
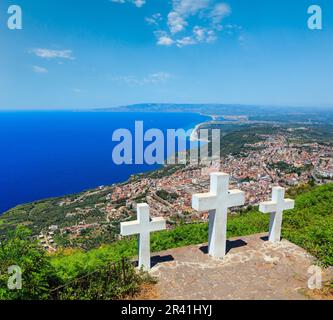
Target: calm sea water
x=48 y=154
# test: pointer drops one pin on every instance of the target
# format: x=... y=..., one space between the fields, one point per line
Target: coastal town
x=269 y=163
x=272 y=161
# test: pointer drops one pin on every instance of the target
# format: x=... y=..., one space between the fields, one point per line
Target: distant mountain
x=253 y=112
x=225 y=109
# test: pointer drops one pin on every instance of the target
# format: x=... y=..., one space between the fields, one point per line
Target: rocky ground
x=252 y=269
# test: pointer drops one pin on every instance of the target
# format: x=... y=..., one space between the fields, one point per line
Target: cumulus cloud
x=220 y=11
x=176 y=22
x=186 y=41
x=182 y=10
x=204 y=34
x=52 y=54
x=188 y=22
x=189 y=7
x=155 y=19
x=191 y=22
x=165 y=41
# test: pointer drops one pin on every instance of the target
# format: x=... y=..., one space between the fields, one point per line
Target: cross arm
x=157 y=224
x=236 y=198
x=289 y=204
x=268 y=207
x=129 y=228
x=204 y=201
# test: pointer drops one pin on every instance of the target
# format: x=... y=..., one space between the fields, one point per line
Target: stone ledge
x=253 y=269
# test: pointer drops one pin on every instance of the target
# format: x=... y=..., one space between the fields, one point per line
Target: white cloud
x=191 y=22
x=158 y=77
x=153 y=78
x=204 y=34
x=52 y=54
x=220 y=11
x=186 y=41
x=38 y=69
x=188 y=22
x=155 y=19
x=199 y=35
x=176 y=22
x=211 y=36
x=137 y=3
x=163 y=39
x=189 y=7
x=183 y=9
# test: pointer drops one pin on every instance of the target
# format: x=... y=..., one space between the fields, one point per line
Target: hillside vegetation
x=81 y=275
x=309 y=225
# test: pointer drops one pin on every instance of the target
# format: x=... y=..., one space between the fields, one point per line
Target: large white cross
x=276 y=208
x=143 y=226
x=217 y=202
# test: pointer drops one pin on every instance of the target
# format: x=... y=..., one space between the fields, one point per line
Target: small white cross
x=143 y=227
x=217 y=201
x=276 y=208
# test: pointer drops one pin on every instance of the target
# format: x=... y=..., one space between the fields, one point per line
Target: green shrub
x=109 y=283
x=38 y=275
x=309 y=225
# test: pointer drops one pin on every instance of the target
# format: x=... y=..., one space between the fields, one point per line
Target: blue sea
x=49 y=154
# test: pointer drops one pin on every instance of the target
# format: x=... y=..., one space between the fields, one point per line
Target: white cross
x=217 y=201
x=276 y=208
x=143 y=227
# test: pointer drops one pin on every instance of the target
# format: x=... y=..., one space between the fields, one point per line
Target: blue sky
x=90 y=54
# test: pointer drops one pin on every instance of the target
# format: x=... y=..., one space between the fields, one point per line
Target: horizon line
x=91 y=109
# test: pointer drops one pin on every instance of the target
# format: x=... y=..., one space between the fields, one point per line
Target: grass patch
x=309 y=225
x=83 y=274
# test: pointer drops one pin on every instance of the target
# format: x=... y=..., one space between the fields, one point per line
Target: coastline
x=194 y=135
x=193 y=138
x=18 y=200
